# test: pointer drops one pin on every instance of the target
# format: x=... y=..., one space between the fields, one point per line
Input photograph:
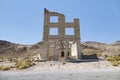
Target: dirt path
x=95 y=74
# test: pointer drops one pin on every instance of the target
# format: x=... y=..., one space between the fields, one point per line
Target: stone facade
x=59 y=46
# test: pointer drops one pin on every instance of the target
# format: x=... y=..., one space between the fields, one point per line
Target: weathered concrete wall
x=60 y=41
x=74 y=50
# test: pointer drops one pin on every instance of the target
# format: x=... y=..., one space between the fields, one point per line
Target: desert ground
x=51 y=70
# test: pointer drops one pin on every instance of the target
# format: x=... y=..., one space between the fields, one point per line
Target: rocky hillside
x=8 y=49
x=101 y=48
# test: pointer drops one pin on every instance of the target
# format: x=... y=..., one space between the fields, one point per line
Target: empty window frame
x=53 y=18
x=69 y=31
x=53 y=31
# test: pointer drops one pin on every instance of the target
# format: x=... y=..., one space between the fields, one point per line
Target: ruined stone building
x=62 y=44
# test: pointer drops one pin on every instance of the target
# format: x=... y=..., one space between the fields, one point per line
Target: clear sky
x=21 y=21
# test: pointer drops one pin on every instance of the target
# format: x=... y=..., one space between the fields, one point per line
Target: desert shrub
x=115 y=63
x=63 y=62
x=0 y=67
x=4 y=68
x=32 y=63
x=115 y=60
x=12 y=66
x=1 y=58
x=22 y=64
x=99 y=54
x=109 y=58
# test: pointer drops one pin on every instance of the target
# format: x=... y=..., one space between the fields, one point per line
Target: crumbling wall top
x=52 y=13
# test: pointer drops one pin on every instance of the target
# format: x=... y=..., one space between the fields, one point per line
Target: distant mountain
x=117 y=43
x=9 y=50
x=103 y=48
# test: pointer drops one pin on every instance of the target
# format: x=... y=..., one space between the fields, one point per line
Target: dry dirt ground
x=70 y=71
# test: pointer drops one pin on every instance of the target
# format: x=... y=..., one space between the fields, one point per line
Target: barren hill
x=102 y=48
x=8 y=49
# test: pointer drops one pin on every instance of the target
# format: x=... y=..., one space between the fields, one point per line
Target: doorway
x=68 y=53
x=62 y=54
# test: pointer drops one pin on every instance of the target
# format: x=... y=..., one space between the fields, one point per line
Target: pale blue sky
x=21 y=21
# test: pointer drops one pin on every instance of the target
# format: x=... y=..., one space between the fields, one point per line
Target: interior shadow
x=85 y=58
